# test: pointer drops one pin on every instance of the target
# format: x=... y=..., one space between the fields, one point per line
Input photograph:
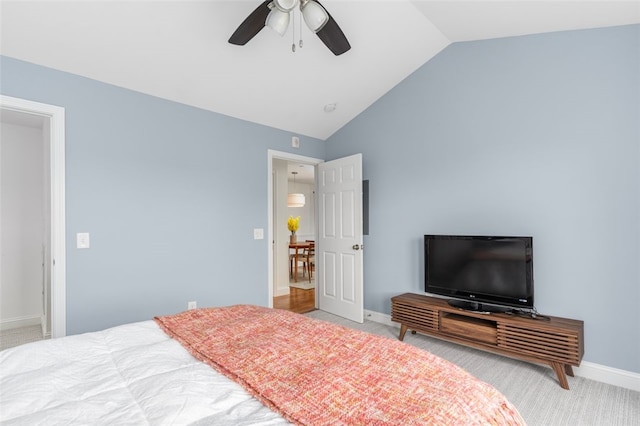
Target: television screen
x=481 y=269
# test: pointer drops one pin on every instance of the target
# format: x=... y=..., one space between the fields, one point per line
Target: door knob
x=357 y=247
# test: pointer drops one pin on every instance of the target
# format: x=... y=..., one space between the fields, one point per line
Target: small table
x=297 y=246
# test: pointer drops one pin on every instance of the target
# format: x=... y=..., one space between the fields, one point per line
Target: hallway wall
x=21 y=225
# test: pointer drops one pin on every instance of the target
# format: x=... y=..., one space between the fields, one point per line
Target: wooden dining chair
x=292 y=259
x=309 y=259
x=301 y=262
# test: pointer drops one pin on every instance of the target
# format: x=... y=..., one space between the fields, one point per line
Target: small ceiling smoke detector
x=329 y=107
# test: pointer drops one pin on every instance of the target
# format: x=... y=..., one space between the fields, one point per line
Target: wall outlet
x=191 y=305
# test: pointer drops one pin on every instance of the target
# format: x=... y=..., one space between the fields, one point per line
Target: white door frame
x=271 y=155
x=56 y=116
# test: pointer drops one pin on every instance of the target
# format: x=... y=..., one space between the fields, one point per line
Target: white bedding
x=128 y=375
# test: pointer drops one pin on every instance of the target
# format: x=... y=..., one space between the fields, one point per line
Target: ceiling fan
x=276 y=15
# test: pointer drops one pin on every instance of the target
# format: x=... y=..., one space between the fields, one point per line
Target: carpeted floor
x=532 y=388
x=18 y=336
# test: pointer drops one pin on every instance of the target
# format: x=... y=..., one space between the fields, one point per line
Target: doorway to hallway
x=49 y=120
x=284 y=291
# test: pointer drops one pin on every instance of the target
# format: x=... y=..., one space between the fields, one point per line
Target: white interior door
x=339 y=248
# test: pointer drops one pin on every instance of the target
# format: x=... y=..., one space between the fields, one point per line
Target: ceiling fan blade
x=251 y=26
x=332 y=36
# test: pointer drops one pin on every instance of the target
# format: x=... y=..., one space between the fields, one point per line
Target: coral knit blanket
x=318 y=373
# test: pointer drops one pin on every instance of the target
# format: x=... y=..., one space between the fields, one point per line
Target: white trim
x=43 y=324
x=380 y=318
x=609 y=375
x=56 y=116
x=587 y=370
x=271 y=155
x=25 y=321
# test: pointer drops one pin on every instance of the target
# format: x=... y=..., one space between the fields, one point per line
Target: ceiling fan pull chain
x=300 y=17
x=293 y=31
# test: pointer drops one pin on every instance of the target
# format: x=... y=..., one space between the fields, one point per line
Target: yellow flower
x=293 y=223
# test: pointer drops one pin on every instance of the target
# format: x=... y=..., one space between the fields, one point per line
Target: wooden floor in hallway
x=298 y=300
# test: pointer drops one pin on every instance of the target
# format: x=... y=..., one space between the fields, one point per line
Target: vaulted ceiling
x=178 y=50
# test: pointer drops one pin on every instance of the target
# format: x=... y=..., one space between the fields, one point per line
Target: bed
x=239 y=365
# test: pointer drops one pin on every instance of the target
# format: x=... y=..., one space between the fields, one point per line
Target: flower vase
x=292 y=238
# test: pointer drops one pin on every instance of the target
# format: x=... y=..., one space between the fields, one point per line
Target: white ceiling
x=178 y=50
x=305 y=172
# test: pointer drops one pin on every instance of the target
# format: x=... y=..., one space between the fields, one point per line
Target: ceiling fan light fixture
x=285 y=5
x=278 y=21
x=276 y=14
x=314 y=15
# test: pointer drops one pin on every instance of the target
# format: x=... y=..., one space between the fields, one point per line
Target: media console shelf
x=558 y=342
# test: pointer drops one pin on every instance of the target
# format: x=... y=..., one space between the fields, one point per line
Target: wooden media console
x=558 y=342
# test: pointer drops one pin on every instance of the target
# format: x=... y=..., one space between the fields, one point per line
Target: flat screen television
x=482 y=273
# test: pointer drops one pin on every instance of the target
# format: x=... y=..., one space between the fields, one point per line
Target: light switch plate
x=258 y=233
x=82 y=240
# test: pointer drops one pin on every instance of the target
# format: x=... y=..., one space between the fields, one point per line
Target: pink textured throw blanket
x=317 y=373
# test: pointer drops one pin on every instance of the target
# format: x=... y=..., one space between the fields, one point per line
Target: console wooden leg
x=568 y=370
x=403 y=330
x=560 y=370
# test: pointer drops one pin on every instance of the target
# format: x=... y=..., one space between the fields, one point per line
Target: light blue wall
x=535 y=135
x=169 y=193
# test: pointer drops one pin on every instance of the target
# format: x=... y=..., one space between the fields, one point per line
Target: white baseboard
x=588 y=370
x=9 y=323
x=609 y=375
x=380 y=318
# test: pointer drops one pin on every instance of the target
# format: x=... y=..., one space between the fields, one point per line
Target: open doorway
x=297 y=292
x=32 y=180
x=292 y=281
x=25 y=223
